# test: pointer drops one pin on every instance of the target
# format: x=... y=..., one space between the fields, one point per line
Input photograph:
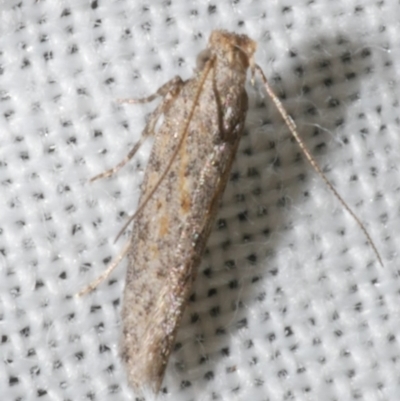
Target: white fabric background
x=290 y=301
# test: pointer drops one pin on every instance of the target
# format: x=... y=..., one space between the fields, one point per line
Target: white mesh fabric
x=290 y=302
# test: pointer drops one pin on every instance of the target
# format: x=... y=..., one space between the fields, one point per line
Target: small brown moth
x=190 y=163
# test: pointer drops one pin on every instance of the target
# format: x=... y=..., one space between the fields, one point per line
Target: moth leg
x=169 y=87
x=169 y=91
x=109 y=270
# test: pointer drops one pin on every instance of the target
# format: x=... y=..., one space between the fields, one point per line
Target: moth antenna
x=185 y=131
x=292 y=127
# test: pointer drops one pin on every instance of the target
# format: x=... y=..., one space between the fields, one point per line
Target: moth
x=197 y=127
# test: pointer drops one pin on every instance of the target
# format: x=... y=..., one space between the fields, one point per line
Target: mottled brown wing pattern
x=170 y=234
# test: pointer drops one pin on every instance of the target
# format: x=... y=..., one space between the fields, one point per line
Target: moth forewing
x=170 y=233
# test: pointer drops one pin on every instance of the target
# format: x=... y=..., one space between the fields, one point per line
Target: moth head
x=237 y=50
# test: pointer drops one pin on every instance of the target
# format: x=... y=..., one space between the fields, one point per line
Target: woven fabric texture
x=290 y=301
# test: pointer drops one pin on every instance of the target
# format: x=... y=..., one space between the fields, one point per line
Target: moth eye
x=202 y=59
